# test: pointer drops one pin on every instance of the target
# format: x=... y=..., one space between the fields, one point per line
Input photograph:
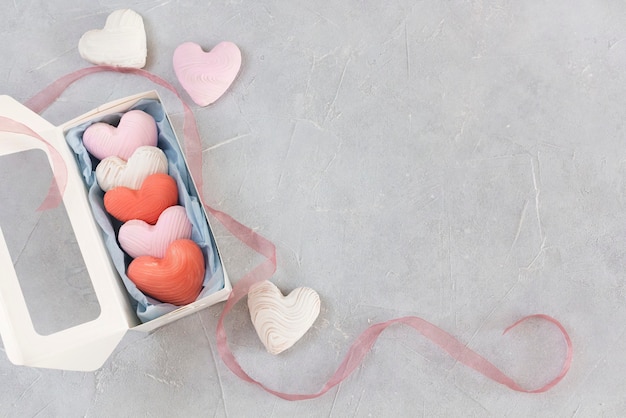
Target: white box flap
x=81 y=347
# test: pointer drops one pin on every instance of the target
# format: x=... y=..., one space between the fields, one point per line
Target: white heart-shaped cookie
x=121 y=43
x=280 y=320
x=114 y=172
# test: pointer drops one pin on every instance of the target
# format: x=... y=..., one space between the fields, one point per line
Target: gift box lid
x=85 y=346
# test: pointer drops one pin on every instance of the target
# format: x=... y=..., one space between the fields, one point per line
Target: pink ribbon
x=366 y=340
x=266 y=269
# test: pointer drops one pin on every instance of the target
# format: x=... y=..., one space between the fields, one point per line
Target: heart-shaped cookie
x=176 y=278
x=121 y=43
x=138 y=238
x=206 y=75
x=157 y=193
x=280 y=320
x=114 y=172
x=136 y=129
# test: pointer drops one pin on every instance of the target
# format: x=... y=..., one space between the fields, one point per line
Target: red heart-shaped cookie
x=177 y=278
x=157 y=193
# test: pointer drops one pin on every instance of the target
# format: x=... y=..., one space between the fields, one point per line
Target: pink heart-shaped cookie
x=206 y=75
x=139 y=238
x=136 y=129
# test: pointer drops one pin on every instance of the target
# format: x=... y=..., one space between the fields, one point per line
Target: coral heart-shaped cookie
x=280 y=320
x=136 y=129
x=206 y=75
x=157 y=193
x=114 y=172
x=138 y=238
x=121 y=43
x=176 y=278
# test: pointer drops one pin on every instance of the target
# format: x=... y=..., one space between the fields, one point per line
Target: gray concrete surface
x=462 y=161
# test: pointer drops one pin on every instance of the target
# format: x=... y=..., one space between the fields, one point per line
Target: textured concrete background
x=462 y=161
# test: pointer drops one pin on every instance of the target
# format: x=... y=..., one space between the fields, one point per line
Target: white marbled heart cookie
x=280 y=321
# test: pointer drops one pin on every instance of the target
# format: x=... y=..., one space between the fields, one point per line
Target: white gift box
x=85 y=346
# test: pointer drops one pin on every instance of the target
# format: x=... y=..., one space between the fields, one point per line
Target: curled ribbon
x=366 y=340
x=266 y=269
